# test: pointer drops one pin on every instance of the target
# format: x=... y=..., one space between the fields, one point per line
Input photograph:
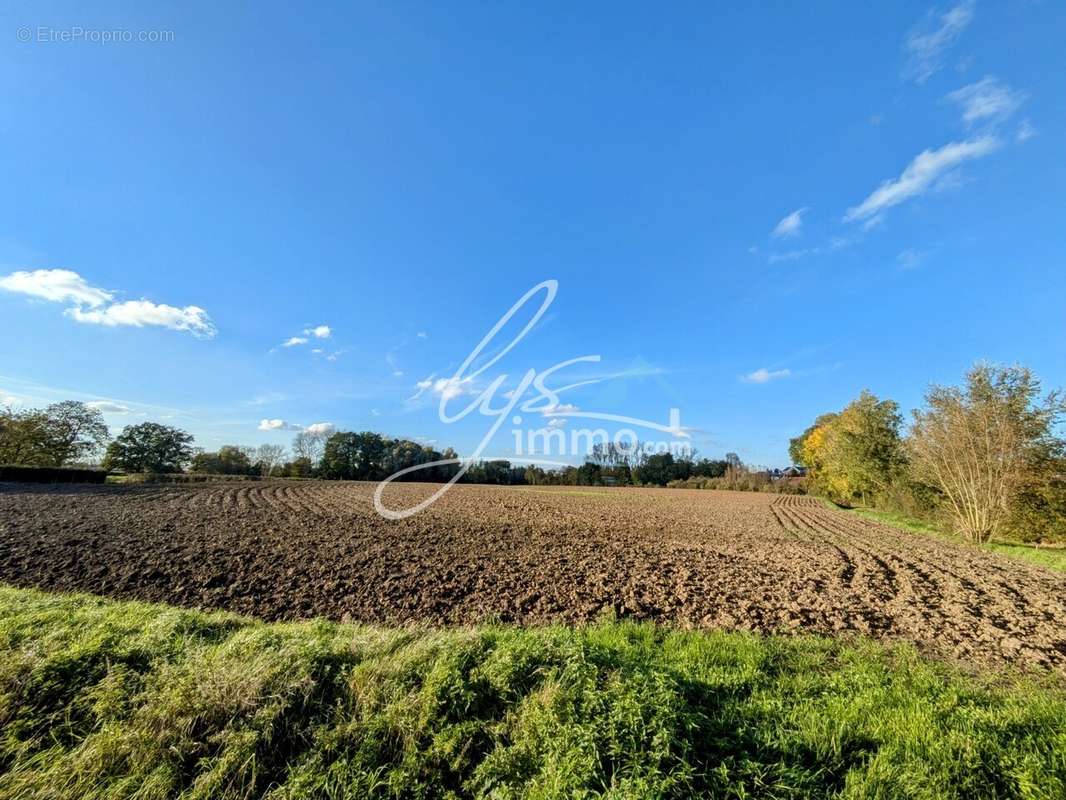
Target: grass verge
x=1054 y=558
x=107 y=699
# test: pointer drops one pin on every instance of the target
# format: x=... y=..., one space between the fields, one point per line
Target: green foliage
x=121 y=700
x=1038 y=512
x=149 y=447
x=370 y=456
x=855 y=454
x=229 y=460
x=61 y=434
x=300 y=467
x=743 y=479
x=657 y=469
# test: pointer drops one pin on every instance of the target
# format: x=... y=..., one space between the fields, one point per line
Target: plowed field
x=286 y=550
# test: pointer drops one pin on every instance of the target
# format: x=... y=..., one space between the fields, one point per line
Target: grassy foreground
x=118 y=699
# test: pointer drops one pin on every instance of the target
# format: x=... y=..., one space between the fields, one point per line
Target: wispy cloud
x=834 y=244
x=926 y=44
x=790 y=225
x=765 y=375
x=319 y=331
x=911 y=259
x=988 y=100
x=1025 y=131
x=448 y=388
x=266 y=399
x=920 y=175
x=95 y=306
x=108 y=407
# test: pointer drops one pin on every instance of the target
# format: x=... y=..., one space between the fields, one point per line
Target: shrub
x=179 y=477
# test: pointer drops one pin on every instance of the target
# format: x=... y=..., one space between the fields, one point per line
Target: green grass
x=106 y=699
x=1053 y=558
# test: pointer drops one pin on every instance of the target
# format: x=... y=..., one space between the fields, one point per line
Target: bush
x=23 y=474
x=743 y=480
x=180 y=477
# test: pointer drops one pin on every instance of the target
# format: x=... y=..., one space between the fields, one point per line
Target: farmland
x=287 y=550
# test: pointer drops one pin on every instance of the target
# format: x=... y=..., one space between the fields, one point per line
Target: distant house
x=788 y=473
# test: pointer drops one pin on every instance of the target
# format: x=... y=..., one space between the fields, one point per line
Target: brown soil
x=530 y=555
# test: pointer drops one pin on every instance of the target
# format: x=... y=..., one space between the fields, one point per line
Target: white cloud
x=1025 y=132
x=988 y=100
x=9 y=400
x=375 y=413
x=141 y=313
x=319 y=332
x=790 y=225
x=397 y=373
x=277 y=425
x=556 y=422
x=447 y=388
x=267 y=398
x=422 y=335
x=920 y=175
x=925 y=46
x=107 y=407
x=293 y=341
x=66 y=286
x=57 y=285
x=765 y=375
x=557 y=408
x=282 y=425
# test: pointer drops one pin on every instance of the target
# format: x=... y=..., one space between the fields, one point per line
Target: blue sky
x=752 y=213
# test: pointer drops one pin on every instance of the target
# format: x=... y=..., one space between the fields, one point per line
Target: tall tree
x=978 y=444
x=149 y=447
x=268 y=457
x=75 y=432
x=865 y=449
x=24 y=437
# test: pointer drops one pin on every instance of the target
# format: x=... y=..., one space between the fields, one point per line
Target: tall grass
x=105 y=699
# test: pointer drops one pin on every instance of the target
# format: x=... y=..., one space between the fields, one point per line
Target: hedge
x=23 y=474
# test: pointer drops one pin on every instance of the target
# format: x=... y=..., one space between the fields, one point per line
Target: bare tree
x=269 y=456
x=309 y=445
x=976 y=444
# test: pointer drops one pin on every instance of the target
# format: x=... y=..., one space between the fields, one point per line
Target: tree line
x=987 y=456
x=74 y=433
